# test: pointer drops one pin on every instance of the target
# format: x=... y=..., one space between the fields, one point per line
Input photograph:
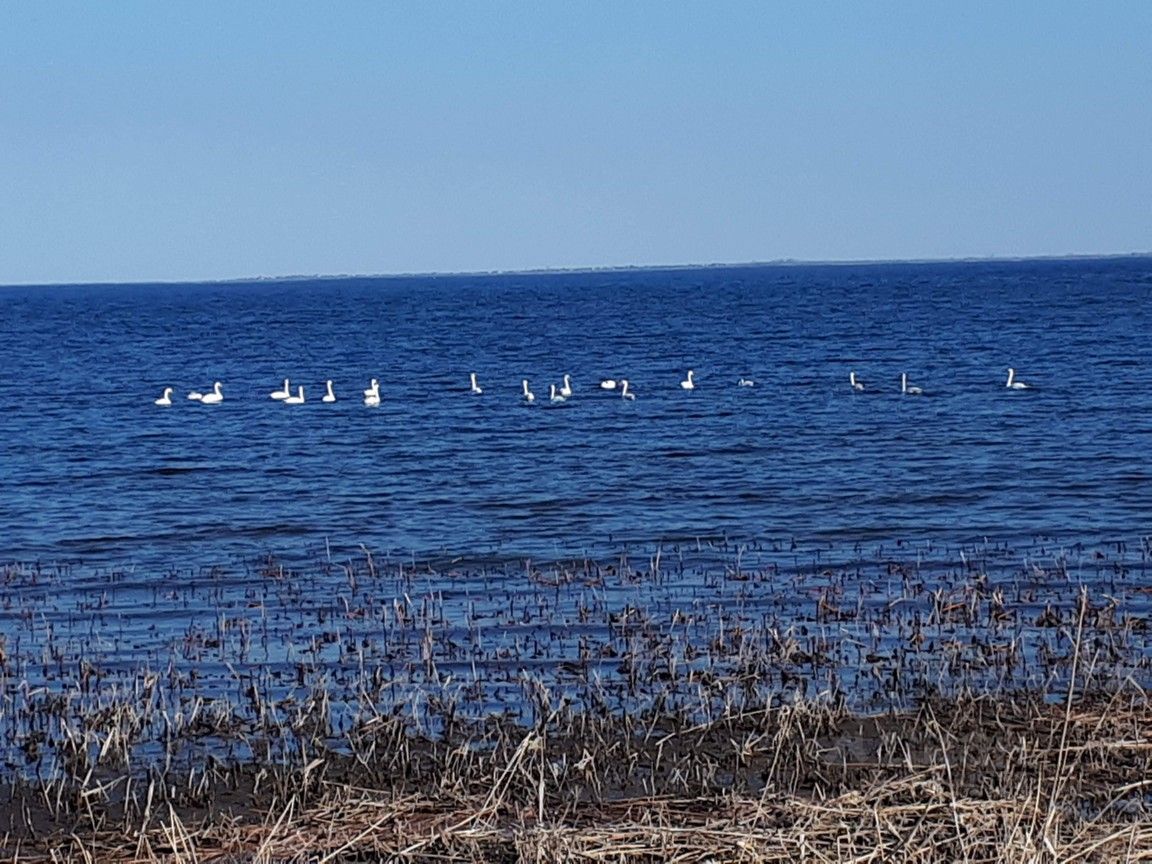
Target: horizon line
x=606 y=268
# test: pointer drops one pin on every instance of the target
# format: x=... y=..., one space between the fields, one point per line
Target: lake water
x=92 y=471
x=686 y=549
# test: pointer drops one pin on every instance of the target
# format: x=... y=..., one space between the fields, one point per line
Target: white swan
x=909 y=390
x=529 y=396
x=624 y=394
x=329 y=396
x=856 y=385
x=555 y=394
x=166 y=399
x=215 y=397
x=282 y=394
x=196 y=396
x=688 y=383
x=298 y=399
x=372 y=394
x=1013 y=384
x=746 y=382
x=475 y=387
x=608 y=384
x=566 y=390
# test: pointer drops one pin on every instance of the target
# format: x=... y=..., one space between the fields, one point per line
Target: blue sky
x=142 y=140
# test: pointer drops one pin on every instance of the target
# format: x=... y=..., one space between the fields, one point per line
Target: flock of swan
x=555 y=394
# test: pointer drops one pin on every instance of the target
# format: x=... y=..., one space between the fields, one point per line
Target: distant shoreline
x=611 y=268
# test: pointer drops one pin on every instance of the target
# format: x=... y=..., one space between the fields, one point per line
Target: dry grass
x=915 y=819
x=877 y=710
x=977 y=781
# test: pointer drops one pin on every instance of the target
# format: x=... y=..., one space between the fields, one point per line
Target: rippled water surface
x=93 y=471
x=161 y=565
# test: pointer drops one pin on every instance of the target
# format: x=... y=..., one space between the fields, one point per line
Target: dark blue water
x=91 y=470
x=168 y=558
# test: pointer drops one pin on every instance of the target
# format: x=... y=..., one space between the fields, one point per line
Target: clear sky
x=197 y=140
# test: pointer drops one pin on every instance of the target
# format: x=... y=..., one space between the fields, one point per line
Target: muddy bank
x=1009 y=778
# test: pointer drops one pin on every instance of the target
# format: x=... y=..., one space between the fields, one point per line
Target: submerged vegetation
x=705 y=701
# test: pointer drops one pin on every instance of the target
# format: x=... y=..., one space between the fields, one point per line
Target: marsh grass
x=974 y=780
x=971 y=707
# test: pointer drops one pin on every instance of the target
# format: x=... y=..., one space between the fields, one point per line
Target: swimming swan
x=475 y=387
x=608 y=384
x=166 y=399
x=856 y=385
x=529 y=396
x=196 y=396
x=372 y=394
x=329 y=396
x=566 y=390
x=746 y=382
x=1013 y=384
x=624 y=394
x=688 y=383
x=298 y=399
x=909 y=390
x=215 y=397
x=282 y=394
x=554 y=394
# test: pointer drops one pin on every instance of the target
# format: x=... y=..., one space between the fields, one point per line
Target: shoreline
x=635 y=708
x=596 y=270
x=1011 y=778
